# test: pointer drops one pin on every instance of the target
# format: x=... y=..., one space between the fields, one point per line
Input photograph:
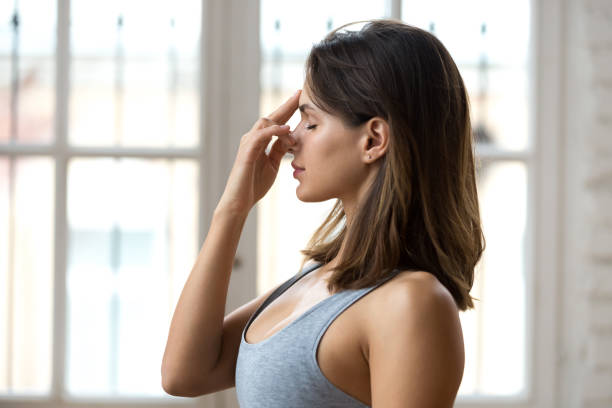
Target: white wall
x=585 y=360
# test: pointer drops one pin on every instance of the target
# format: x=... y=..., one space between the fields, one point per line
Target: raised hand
x=254 y=171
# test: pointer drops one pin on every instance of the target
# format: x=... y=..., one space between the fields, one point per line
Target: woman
x=385 y=130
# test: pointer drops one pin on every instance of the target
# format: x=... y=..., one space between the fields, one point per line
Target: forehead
x=306 y=107
x=304 y=95
x=305 y=104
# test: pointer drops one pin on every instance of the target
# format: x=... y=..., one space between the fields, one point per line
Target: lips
x=296 y=167
x=298 y=170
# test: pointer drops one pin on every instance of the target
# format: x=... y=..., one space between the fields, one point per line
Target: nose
x=293 y=135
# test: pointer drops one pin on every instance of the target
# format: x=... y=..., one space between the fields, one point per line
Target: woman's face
x=330 y=154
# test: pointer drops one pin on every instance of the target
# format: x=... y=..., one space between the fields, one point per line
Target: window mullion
x=110 y=151
x=59 y=151
x=394 y=9
x=230 y=89
x=485 y=152
x=547 y=190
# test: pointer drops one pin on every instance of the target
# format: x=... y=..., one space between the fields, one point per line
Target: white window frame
x=544 y=225
x=230 y=88
x=229 y=104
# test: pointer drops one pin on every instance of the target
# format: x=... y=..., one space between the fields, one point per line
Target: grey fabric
x=281 y=370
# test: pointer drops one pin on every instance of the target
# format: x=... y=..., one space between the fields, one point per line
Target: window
x=99 y=193
x=27 y=193
x=110 y=169
x=492 y=44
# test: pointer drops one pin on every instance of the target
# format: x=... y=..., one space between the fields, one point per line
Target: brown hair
x=421 y=212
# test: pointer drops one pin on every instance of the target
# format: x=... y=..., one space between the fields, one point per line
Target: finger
x=284 y=112
x=278 y=150
x=262 y=123
x=264 y=135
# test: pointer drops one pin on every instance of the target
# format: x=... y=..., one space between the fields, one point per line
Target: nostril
x=291 y=143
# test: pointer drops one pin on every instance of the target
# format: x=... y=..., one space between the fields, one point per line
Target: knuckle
x=245 y=138
x=268 y=121
x=263 y=122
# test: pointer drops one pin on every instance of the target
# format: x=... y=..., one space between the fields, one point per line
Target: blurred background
x=119 y=123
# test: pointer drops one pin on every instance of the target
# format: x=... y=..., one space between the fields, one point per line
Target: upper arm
x=416 y=353
x=224 y=373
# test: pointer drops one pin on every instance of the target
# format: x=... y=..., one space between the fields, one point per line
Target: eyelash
x=311 y=127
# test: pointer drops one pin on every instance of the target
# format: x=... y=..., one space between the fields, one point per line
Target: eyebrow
x=305 y=106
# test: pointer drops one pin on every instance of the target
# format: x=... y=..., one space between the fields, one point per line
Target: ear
x=375 y=140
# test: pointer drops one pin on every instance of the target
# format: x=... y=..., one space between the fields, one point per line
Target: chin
x=312 y=197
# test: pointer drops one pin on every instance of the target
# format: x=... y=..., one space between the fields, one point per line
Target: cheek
x=332 y=149
x=338 y=165
x=329 y=144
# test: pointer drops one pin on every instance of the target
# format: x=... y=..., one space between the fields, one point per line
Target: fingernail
x=285 y=126
x=297 y=92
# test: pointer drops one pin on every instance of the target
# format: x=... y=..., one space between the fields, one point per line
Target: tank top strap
x=282 y=288
x=339 y=304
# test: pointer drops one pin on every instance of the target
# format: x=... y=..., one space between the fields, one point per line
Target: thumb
x=265 y=135
x=279 y=148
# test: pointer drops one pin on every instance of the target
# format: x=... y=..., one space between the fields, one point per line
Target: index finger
x=284 y=112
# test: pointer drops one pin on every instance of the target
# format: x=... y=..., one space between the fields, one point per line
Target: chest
x=341 y=352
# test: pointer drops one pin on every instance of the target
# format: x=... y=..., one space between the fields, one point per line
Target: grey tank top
x=282 y=370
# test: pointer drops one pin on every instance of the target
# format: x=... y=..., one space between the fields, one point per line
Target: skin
x=326 y=146
x=339 y=161
x=202 y=342
x=414 y=350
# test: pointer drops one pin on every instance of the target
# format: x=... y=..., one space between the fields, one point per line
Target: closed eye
x=311 y=127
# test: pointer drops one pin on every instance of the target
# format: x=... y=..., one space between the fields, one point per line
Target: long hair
x=421 y=212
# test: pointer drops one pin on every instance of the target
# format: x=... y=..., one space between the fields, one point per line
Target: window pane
x=288 y=30
x=134 y=74
x=132 y=241
x=27 y=194
x=489 y=41
x=6 y=41
x=494 y=332
x=27 y=83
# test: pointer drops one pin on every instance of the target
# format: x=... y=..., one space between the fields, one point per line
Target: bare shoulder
x=414 y=320
x=415 y=301
x=413 y=292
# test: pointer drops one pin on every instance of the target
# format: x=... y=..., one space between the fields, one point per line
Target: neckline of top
x=307 y=312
